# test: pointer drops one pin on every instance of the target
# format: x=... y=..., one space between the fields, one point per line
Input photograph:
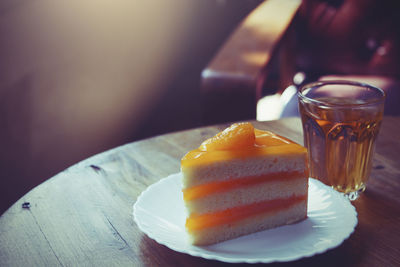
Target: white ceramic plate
x=159 y=212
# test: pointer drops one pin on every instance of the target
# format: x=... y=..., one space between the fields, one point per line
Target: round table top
x=83 y=215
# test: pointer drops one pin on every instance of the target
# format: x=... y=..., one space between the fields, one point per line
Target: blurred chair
x=283 y=44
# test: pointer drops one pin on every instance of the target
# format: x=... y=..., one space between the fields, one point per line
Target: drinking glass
x=341 y=121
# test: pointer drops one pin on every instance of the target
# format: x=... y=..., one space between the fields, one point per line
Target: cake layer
x=245 y=195
x=243 y=167
x=203 y=190
x=259 y=222
x=243 y=180
x=200 y=221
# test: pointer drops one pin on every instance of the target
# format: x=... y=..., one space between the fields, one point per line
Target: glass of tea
x=341 y=121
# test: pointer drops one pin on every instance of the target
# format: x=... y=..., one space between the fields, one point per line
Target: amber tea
x=341 y=121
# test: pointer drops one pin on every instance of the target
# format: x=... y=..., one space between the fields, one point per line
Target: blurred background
x=80 y=77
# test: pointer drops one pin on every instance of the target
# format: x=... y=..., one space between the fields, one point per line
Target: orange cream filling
x=199 y=222
x=203 y=190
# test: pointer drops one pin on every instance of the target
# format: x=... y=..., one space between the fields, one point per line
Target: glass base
x=355 y=194
x=346 y=191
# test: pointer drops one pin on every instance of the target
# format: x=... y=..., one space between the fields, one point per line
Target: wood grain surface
x=83 y=216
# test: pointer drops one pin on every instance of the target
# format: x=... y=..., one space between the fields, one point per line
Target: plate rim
x=215 y=256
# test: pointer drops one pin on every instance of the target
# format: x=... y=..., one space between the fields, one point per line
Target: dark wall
x=80 y=77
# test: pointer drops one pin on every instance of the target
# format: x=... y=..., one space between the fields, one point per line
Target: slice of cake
x=241 y=181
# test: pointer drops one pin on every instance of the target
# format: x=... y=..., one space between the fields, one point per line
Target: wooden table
x=83 y=216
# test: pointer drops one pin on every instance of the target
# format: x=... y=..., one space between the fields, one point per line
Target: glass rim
x=340 y=82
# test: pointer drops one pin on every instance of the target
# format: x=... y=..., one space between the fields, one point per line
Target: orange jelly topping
x=198 y=222
x=242 y=136
x=240 y=140
x=237 y=136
